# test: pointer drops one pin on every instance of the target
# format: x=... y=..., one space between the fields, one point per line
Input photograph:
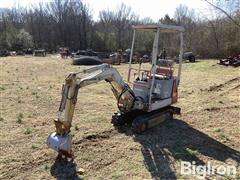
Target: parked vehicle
x=39 y=52
x=4 y=53
x=189 y=56
x=86 y=60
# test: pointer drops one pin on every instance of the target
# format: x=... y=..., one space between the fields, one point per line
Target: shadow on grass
x=63 y=169
x=162 y=146
x=176 y=140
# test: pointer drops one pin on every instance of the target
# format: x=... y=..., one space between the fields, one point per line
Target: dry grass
x=207 y=130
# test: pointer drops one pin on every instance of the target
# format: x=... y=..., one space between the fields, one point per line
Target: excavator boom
x=60 y=140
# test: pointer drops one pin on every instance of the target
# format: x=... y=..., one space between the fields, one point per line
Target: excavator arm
x=126 y=101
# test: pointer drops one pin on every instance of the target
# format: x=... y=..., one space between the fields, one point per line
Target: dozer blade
x=61 y=143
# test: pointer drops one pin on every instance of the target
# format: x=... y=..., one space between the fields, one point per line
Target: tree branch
x=220 y=9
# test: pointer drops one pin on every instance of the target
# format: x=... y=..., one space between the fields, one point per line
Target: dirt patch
x=220 y=86
x=220 y=108
x=98 y=137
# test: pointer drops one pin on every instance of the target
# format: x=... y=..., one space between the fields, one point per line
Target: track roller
x=152 y=119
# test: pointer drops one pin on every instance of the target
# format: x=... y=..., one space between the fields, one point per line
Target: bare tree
x=122 y=20
x=224 y=12
x=69 y=23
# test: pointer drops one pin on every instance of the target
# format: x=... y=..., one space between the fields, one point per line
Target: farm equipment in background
x=87 y=57
x=231 y=61
x=189 y=56
x=4 y=53
x=86 y=60
x=64 y=52
x=145 y=105
x=39 y=52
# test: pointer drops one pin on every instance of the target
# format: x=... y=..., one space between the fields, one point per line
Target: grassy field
x=207 y=130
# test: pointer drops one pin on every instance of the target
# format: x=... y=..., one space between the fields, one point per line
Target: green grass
x=34 y=93
x=222 y=136
x=76 y=127
x=199 y=65
x=193 y=153
x=19 y=118
x=46 y=167
x=116 y=175
x=87 y=158
x=28 y=131
x=208 y=66
x=217 y=130
x=2 y=88
x=185 y=153
x=34 y=146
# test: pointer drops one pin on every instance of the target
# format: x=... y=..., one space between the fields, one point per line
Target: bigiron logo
x=201 y=171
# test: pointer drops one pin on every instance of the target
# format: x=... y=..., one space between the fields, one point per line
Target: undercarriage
x=141 y=121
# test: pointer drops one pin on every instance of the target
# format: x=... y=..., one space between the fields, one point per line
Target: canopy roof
x=161 y=27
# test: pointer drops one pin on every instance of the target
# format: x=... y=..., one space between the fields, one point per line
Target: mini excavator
x=145 y=105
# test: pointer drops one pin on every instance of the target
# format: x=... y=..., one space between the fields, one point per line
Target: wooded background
x=69 y=23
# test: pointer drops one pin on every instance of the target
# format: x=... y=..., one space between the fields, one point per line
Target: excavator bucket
x=60 y=143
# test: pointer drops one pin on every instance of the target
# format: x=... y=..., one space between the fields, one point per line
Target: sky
x=155 y=9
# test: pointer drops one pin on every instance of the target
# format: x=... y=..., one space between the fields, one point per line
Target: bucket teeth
x=62 y=153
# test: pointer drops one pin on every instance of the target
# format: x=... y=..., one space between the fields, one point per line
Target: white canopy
x=162 y=27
